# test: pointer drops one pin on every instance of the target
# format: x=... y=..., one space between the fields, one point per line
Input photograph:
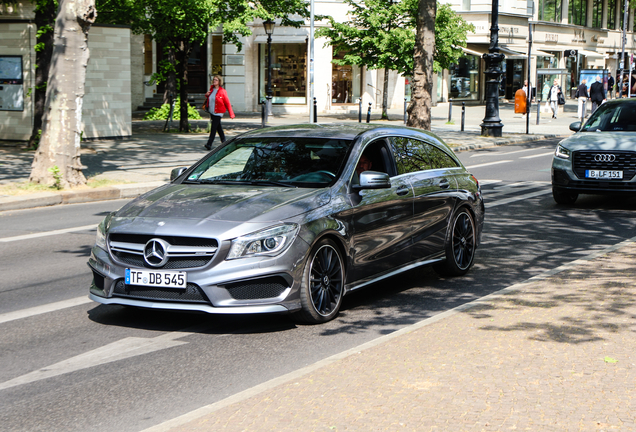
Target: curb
x=43 y=199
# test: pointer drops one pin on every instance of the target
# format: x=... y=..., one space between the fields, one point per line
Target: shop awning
x=591 y=54
x=536 y=51
x=512 y=52
x=281 y=39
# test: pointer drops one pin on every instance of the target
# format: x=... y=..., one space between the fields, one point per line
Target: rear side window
x=410 y=155
x=440 y=159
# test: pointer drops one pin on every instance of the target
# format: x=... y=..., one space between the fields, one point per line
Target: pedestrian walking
x=597 y=93
x=556 y=97
x=217 y=103
x=582 y=95
x=610 y=85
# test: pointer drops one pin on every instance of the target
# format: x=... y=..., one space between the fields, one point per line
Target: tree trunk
x=420 y=107
x=62 y=123
x=385 y=95
x=183 y=53
x=44 y=16
x=171 y=80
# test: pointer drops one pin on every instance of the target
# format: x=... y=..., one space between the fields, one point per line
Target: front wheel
x=563 y=196
x=459 y=246
x=322 y=286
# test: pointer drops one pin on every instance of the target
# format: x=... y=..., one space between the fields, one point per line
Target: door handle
x=402 y=190
x=443 y=184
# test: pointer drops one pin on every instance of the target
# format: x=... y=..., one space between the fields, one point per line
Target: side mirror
x=177 y=172
x=576 y=126
x=373 y=180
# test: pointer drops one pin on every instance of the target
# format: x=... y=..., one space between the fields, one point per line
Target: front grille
x=183 y=252
x=584 y=160
x=257 y=289
x=192 y=293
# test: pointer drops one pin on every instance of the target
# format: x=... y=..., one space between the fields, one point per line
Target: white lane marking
x=122 y=349
x=275 y=382
x=538 y=155
x=488 y=164
x=38 y=310
x=506 y=153
x=47 y=233
x=517 y=198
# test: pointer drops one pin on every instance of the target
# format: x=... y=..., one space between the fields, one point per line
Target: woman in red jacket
x=217 y=103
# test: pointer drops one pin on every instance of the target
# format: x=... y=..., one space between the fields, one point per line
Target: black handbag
x=561 y=99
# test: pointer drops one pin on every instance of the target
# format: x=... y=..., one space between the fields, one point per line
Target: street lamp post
x=492 y=125
x=269 y=30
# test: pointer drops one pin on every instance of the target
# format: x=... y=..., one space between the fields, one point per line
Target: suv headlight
x=562 y=152
x=269 y=242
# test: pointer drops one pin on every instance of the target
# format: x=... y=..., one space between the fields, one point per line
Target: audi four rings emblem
x=156 y=252
x=604 y=158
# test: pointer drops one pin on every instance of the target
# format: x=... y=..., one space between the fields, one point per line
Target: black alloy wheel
x=323 y=284
x=460 y=245
x=564 y=196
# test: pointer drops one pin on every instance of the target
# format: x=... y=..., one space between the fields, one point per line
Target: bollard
x=359 y=110
x=450 y=109
x=315 y=111
x=406 y=115
x=263 y=113
x=463 y=115
x=538 y=110
x=369 y=113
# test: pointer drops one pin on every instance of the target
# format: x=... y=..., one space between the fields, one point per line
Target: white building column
x=589 y=19
x=604 y=18
x=565 y=9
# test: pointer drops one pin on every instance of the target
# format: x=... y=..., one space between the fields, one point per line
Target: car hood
x=601 y=141
x=225 y=203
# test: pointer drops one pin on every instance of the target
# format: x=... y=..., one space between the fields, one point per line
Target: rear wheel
x=563 y=196
x=322 y=286
x=460 y=245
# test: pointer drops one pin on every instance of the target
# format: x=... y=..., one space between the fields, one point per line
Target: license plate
x=603 y=174
x=157 y=278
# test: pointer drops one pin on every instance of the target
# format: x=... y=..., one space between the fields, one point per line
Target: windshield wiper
x=244 y=182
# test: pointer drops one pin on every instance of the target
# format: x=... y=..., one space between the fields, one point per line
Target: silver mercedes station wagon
x=290 y=219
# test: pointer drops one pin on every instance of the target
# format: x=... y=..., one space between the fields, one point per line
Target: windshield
x=289 y=162
x=615 y=117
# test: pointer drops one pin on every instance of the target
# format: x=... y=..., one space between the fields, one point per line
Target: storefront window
x=578 y=12
x=464 y=78
x=289 y=78
x=547 y=62
x=346 y=82
x=550 y=10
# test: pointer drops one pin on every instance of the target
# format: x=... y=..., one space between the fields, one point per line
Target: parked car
x=285 y=219
x=601 y=157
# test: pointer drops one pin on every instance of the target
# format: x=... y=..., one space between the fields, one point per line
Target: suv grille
x=584 y=160
x=182 y=252
x=192 y=293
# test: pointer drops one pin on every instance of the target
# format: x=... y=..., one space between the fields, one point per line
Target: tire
x=562 y=196
x=460 y=245
x=322 y=286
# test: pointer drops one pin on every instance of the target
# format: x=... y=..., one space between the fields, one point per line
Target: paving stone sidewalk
x=553 y=354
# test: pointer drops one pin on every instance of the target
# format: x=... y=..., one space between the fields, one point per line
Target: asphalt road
x=67 y=364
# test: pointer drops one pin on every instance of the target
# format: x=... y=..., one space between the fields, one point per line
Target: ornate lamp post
x=492 y=125
x=269 y=30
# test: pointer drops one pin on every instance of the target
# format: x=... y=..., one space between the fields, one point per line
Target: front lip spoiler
x=189 y=307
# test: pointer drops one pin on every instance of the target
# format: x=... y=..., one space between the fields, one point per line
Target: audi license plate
x=603 y=174
x=157 y=278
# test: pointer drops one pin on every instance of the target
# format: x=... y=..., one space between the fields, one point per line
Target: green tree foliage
x=163 y=112
x=177 y=24
x=381 y=34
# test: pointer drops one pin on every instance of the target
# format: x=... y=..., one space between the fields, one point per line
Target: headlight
x=562 y=152
x=269 y=242
x=100 y=240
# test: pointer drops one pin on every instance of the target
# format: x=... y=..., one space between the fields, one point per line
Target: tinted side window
x=440 y=159
x=410 y=155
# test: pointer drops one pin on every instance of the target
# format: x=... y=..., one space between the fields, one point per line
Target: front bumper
x=249 y=285
x=564 y=178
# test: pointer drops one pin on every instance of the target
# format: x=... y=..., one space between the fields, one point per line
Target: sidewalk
x=555 y=353
x=143 y=161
